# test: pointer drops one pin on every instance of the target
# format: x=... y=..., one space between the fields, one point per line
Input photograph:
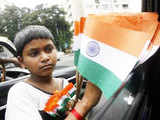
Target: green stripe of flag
x=100 y=76
x=76 y=56
x=72 y=94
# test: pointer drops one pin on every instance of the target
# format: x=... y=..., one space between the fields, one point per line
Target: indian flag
x=77 y=7
x=111 y=46
x=78 y=31
x=76 y=42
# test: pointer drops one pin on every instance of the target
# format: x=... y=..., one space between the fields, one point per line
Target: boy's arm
x=21 y=106
x=10 y=60
x=91 y=97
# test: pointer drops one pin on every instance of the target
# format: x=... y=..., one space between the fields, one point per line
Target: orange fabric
x=126 y=32
x=133 y=21
x=82 y=23
x=52 y=102
x=66 y=89
x=76 y=28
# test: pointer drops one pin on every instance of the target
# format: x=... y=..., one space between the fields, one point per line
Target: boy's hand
x=91 y=97
x=1 y=60
x=10 y=60
x=71 y=117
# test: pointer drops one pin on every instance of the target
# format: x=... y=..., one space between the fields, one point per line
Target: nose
x=44 y=57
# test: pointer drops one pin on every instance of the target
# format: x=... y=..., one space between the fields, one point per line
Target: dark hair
x=28 y=34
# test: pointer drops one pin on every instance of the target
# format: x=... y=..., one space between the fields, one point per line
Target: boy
x=37 y=53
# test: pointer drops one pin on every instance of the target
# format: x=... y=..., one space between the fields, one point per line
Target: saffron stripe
x=76 y=28
x=120 y=37
x=82 y=23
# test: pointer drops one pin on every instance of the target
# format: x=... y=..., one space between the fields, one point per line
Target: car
x=8 y=50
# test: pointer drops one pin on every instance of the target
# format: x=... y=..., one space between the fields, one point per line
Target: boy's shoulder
x=18 y=87
x=18 y=91
x=23 y=90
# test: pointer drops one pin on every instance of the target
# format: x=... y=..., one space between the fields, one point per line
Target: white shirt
x=25 y=101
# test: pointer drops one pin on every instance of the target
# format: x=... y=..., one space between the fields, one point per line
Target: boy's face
x=39 y=56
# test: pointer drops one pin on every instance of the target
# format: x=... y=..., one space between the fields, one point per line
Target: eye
x=49 y=48
x=33 y=53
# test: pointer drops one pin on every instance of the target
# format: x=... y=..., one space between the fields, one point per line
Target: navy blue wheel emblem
x=93 y=49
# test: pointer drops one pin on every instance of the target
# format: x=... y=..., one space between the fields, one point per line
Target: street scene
x=79 y=59
x=66 y=60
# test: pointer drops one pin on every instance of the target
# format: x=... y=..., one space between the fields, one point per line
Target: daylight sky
x=30 y=3
x=134 y=4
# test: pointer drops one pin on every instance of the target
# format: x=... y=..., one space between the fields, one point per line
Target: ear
x=20 y=59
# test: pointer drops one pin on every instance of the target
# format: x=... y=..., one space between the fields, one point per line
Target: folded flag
x=77 y=8
x=60 y=100
x=111 y=46
x=76 y=41
x=78 y=31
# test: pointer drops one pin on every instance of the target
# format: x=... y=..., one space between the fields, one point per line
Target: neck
x=41 y=79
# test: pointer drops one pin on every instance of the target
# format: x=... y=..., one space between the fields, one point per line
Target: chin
x=45 y=74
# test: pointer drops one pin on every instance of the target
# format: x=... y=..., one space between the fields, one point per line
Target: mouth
x=47 y=67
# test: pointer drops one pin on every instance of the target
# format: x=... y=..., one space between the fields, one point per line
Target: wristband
x=76 y=114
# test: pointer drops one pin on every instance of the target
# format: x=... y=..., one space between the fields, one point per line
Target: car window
x=5 y=53
x=125 y=103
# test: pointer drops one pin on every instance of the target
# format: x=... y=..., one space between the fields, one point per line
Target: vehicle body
x=8 y=50
x=59 y=55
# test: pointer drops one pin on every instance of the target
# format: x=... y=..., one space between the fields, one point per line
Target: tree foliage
x=13 y=19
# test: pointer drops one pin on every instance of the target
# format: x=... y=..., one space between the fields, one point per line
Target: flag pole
x=77 y=86
x=3 y=73
x=77 y=13
x=80 y=78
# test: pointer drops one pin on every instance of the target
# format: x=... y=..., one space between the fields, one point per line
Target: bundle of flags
x=60 y=101
x=111 y=45
x=78 y=32
x=79 y=21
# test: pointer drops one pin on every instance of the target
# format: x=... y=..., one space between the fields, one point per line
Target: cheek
x=31 y=64
x=54 y=56
x=54 y=59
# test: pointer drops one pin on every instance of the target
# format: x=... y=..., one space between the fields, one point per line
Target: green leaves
x=13 y=19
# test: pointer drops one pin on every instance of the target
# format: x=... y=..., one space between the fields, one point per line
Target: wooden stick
x=3 y=73
x=77 y=86
x=80 y=84
x=79 y=81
